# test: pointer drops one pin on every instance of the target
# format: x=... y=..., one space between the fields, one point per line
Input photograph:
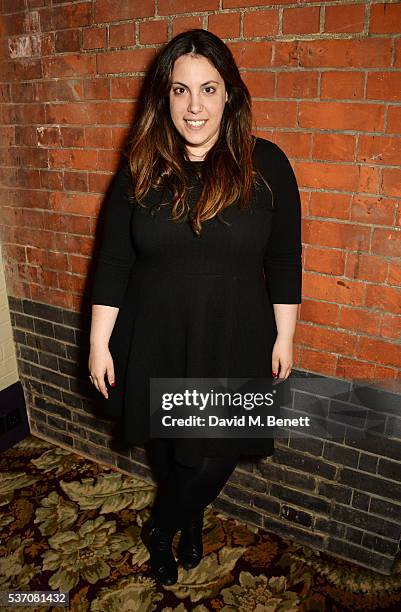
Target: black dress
x=197 y=306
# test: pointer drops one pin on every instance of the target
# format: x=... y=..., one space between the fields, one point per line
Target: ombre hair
x=156 y=150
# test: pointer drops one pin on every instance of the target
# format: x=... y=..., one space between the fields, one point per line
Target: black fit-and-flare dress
x=194 y=306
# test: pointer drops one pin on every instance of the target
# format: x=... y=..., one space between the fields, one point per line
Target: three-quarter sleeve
x=283 y=255
x=116 y=255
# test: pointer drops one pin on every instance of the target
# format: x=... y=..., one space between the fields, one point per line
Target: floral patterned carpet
x=70 y=524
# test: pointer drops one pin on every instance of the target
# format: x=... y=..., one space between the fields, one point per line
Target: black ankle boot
x=158 y=541
x=190 y=546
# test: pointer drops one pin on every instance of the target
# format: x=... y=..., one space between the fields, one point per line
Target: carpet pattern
x=70 y=524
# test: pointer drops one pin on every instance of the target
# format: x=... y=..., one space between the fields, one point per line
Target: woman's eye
x=209 y=89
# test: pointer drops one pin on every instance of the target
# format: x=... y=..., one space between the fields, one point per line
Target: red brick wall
x=326 y=83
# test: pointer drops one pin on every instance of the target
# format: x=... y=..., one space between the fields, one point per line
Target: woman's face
x=197 y=99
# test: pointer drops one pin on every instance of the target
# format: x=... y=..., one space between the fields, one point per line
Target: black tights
x=184 y=491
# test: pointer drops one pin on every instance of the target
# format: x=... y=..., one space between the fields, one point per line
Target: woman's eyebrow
x=203 y=84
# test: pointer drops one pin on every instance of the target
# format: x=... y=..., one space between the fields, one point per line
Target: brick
x=274 y=113
x=328 y=526
x=344 y=18
x=304 y=20
x=151 y=32
x=107 y=11
x=266 y=504
x=381 y=545
x=124 y=61
x=342 y=53
x=289 y=531
x=122 y=35
x=391 y=182
x=384 y=86
x=325 y=261
x=172 y=7
x=182 y=24
x=384 y=18
x=360 y=500
x=371 y=484
x=251 y=54
x=346 y=85
x=366 y=558
x=247 y=515
x=366 y=521
x=368 y=463
x=389 y=469
x=341 y=116
x=296 y=516
x=340 y=454
x=94 y=38
x=385 y=508
x=354 y=535
x=260 y=23
x=304 y=463
x=384 y=298
x=359 y=320
x=297 y=85
x=332 y=289
x=224 y=25
x=67 y=40
x=68 y=66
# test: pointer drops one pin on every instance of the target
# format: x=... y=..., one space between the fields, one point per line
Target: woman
x=198 y=275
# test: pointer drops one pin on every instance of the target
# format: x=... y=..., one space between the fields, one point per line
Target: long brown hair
x=156 y=150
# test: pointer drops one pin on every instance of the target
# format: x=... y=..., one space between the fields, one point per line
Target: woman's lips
x=195 y=127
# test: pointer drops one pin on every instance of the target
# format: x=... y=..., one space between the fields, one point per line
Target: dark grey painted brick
x=366 y=521
x=378 y=400
x=247 y=515
x=332 y=490
x=370 y=484
x=354 y=535
x=294 y=515
x=328 y=526
x=236 y=493
x=266 y=503
x=367 y=558
x=43 y=311
x=57 y=423
x=304 y=463
x=54 y=435
x=52 y=407
x=299 y=535
x=384 y=447
x=278 y=473
x=360 y=500
x=300 y=499
x=378 y=544
x=367 y=463
x=248 y=481
x=306 y=444
x=390 y=469
x=386 y=508
x=340 y=454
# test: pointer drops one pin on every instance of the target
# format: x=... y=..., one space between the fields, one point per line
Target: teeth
x=195 y=123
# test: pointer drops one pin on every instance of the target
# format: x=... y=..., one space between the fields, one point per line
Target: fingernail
x=274 y=374
x=113 y=384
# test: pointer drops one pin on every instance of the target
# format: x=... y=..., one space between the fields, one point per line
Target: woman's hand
x=100 y=363
x=282 y=357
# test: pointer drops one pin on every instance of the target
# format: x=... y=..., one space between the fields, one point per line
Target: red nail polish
x=113 y=384
x=274 y=374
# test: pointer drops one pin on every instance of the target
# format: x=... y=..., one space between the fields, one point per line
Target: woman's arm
x=283 y=257
x=113 y=266
x=116 y=254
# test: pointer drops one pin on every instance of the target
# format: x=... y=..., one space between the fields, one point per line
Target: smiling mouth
x=195 y=125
